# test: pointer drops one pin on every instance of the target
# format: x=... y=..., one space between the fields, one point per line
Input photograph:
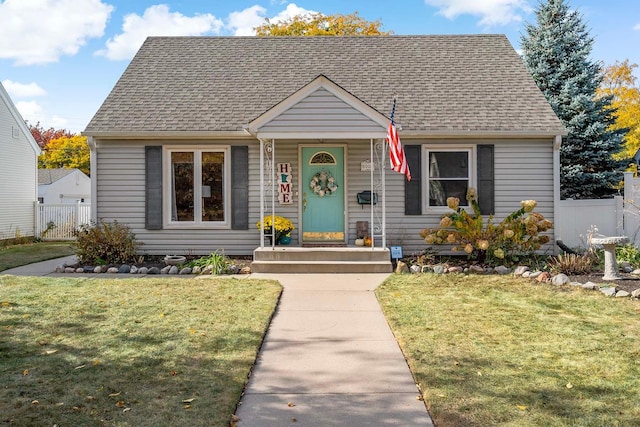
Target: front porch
x=281 y=259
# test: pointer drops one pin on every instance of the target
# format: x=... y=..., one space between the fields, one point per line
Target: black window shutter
x=486 y=181
x=413 y=188
x=153 y=184
x=240 y=187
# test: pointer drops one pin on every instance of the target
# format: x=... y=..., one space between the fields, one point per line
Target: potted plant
x=276 y=227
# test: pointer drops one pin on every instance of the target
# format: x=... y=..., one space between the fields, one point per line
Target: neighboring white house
x=63 y=186
x=18 y=172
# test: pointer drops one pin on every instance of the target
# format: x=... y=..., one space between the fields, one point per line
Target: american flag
x=396 y=152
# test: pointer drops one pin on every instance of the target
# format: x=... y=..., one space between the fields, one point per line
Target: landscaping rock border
x=608 y=289
x=143 y=270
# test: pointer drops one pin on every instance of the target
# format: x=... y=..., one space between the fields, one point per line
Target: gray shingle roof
x=444 y=83
x=49 y=176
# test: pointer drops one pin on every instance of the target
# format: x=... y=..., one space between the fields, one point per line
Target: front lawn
x=27 y=253
x=494 y=350
x=135 y=352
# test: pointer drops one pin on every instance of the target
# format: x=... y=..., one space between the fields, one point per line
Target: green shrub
x=105 y=243
x=217 y=260
x=519 y=234
x=629 y=253
x=572 y=264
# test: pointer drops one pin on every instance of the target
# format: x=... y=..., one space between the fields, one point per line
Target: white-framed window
x=196 y=186
x=449 y=172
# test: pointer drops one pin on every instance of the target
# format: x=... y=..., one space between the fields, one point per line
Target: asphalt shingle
x=444 y=83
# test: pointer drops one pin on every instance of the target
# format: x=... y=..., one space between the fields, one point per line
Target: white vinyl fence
x=59 y=221
x=619 y=216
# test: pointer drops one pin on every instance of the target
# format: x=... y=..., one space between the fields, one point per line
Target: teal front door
x=322 y=191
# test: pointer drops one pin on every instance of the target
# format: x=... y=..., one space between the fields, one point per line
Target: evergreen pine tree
x=556 y=52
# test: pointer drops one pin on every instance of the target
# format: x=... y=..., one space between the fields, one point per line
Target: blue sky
x=60 y=58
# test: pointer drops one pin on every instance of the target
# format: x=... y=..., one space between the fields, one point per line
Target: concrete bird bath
x=610 y=263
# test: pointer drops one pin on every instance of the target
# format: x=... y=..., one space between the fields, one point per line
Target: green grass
x=22 y=254
x=134 y=352
x=490 y=350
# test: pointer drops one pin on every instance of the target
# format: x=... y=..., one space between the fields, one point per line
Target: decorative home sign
x=285 y=186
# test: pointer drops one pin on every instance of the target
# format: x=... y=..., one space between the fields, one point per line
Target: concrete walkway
x=329 y=359
x=43 y=268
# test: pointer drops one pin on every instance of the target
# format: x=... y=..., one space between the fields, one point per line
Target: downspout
x=373 y=228
x=261 y=190
x=93 y=170
x=557 y=231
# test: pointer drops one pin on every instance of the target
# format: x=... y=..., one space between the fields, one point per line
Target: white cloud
x=40 y=31
x=492 y=12
x=156 y=21
x=23 y=90
x=291 y=11
x=29 y=110
x=243 y=23
x=636 y=27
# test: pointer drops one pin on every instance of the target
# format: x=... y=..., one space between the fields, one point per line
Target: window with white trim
x=450 y=173
x=196 y=186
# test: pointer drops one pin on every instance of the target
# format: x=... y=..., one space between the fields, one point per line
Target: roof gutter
x=168 y=135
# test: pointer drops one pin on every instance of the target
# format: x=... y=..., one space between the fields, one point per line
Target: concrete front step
x=321 y=260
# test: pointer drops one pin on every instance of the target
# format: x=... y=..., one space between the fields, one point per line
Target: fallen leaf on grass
x=35 y=402
x=80 y=367
x=187 y=406
x=189 y=400
x=521 y=407
x=25 y=372
x=569 y=385
x=120 y=403
x=50 y=351
x=126 y=410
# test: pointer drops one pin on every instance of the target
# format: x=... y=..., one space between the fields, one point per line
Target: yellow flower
x=498 y=253
x=279 y=223
x=472 y=194
x=468 y=248
x=529 y=205
x=451 y=238
x=430 y=239
x=483 y=244
x=509 y=233
x=453 y=203
x=544 y=239
x=445 y=222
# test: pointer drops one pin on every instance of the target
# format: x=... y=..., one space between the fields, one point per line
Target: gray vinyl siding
x=321 y=112
x=121 y=197
x=18 y=175
x=523 y=170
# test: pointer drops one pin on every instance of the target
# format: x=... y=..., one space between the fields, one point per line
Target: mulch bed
x=629 y=282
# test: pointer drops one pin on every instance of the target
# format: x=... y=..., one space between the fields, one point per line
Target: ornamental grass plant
x=519 y=234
